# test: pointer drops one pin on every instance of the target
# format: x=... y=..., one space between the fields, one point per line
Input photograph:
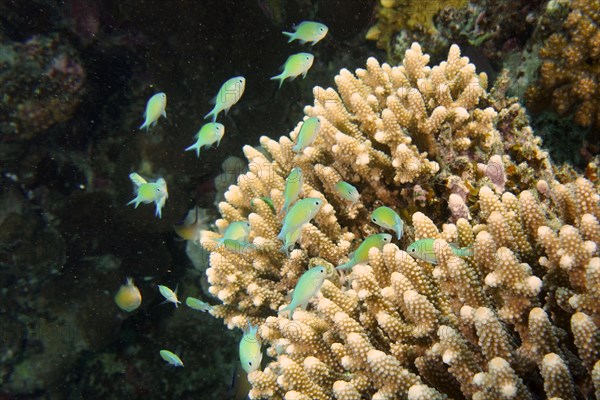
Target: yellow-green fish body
x=303 y=211
x=229 y=94
x=293 y=189
x=238 y=231
x=155 y=107
x=424 y=249
x=308 y=31
x=149 y=192
x=191 y=226
x=308 y=133
x=388 y=219
x=307 y=286
x=198 y=305
x=250 y=351
x=169 y=295
x=208 y=135
x=347 y=191
x=361 y=254
x=171 y=358
x=128 y=298
x=237 y=246
x=296 y=64
x=290 y=241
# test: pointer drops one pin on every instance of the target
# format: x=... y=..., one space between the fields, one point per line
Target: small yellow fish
x=387 y=218
x=296 y=64
x=149 y=192
x=307 y=286
x=424 y=249
x=237 y=246
x=229 y=94
x=128 y=298
x=361 y=254
x=308 y=31
x=171 y=358
x=192 y=225
x=290 y=241
x=198 y=305
x=208 y=135
x=169 y=295
x=237 y=231
x=250 y=350
x=308 y=133
x=293 y=189
x=347 y=191
x=154 y=109
x=303 y=211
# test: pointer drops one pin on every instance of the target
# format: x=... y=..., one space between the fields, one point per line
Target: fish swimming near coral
x=171 y=358
x=293 y=189
x=229 y=94
x=361 y=254
x=149 y=192
x=198 y=305
x=128 y=298
x=347 y=192
x=169 y=295
x=303 y=211
x=237 y=231
x=295 y=65
x=424 y=249
x=308 y=31
x=250 y=350
x=387 y=218
x=307 y=286
x=155 y=108
x=308 y=134
x=208 y=135
x=191 y=226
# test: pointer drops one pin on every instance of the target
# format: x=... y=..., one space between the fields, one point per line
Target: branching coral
x=431 y=143
x=571 y=67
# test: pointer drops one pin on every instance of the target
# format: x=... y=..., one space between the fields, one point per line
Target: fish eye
x=374 y=219
x=250 y=363
x=412 y=250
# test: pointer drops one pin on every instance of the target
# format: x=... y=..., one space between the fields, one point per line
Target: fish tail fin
x=144 y=125
x=345 y=266
x=288 y=308
x=211 y=114
x=468 y=250
x=280 y=77
x=194 y=147
x=290 y=35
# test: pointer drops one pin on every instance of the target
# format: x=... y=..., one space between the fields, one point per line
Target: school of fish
x=294 y=214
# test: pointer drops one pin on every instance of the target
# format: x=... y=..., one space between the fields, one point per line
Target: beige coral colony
x=519 y=319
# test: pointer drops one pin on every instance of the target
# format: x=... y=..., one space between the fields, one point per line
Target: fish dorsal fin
x=137 y=179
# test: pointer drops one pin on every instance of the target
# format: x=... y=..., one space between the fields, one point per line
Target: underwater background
x=76 y=77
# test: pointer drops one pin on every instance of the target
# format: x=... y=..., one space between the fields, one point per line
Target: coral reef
x=519 y=317
x=570 y=70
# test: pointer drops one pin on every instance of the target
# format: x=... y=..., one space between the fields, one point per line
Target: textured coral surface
x=571 y=67
x=517 y=319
